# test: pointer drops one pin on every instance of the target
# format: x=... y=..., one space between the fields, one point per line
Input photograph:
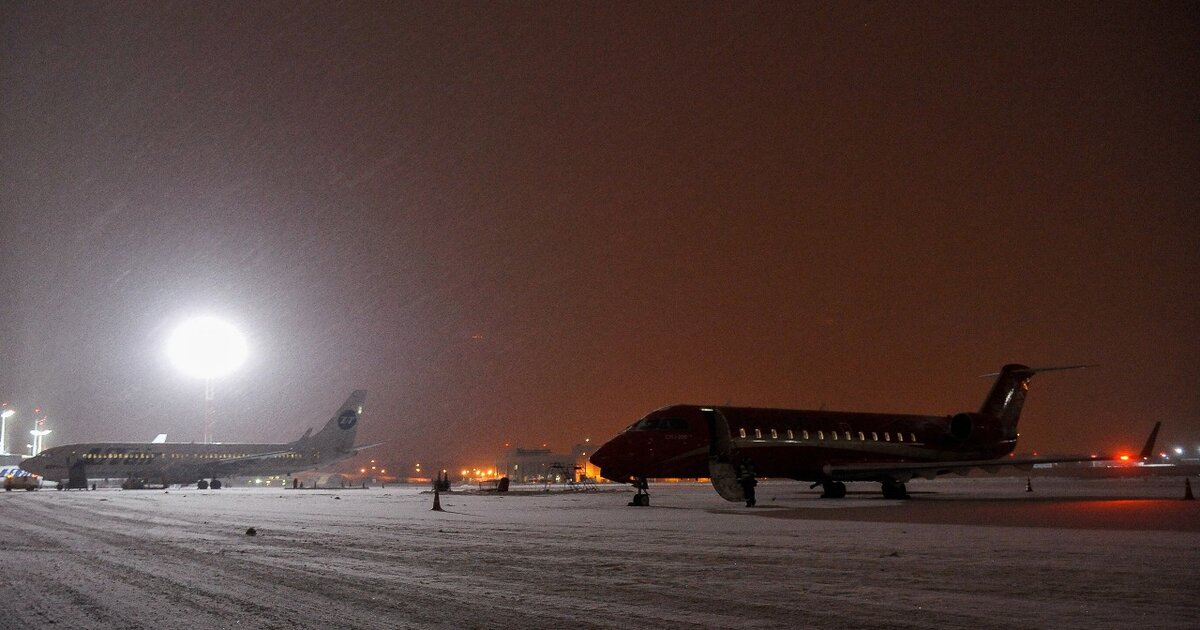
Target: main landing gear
x=833 y=490
x=837 y=490
x=894 y=490
x=203 y=484
x=642 y=498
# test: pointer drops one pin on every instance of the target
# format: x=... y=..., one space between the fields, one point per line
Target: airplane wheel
x=641 y=500
x=833 y=490
x=216 y=484
x=894 y=491
x=202 y=485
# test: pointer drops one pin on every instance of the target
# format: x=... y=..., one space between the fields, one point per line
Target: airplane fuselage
x=680 y=440
x=171 y=463
x=183 y=463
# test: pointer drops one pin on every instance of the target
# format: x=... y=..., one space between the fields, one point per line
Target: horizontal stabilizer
x=1028 y=371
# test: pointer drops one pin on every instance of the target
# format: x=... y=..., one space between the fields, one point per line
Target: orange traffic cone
x=437 y=503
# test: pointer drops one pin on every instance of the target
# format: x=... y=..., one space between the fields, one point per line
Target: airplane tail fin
x=1007 y=395
x=337 y=436
x=1148 y=449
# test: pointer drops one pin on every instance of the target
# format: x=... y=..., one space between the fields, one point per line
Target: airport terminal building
x=531 y=465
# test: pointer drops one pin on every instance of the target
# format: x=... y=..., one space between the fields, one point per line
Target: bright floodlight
x=206 y=347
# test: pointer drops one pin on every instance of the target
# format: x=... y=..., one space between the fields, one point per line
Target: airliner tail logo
x=347 y=419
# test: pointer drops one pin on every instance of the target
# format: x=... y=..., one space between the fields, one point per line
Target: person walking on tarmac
x=746 y=477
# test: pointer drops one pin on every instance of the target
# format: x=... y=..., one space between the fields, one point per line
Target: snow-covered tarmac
x=964 y=553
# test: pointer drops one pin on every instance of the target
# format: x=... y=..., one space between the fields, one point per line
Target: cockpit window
x=661 y=424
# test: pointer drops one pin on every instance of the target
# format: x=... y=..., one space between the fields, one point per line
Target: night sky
x=534 y=222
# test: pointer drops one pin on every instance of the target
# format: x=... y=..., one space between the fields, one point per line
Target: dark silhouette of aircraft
x=826 y=448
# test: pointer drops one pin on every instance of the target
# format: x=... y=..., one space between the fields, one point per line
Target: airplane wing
x=255 y=456
x=903 y=471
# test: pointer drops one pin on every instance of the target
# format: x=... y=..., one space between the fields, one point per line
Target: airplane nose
x=602 y=457
x=605 y=458
x=35 y=465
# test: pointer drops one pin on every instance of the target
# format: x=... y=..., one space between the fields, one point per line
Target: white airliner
x=167 y=463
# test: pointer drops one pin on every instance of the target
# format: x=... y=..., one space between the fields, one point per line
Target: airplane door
x=720 y=457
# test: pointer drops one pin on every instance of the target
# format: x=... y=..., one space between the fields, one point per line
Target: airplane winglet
x=1148 y=449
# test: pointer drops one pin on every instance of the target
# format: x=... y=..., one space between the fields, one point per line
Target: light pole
x=38 y=434
x=39 y=431
x=4 y=416
x=206 y=348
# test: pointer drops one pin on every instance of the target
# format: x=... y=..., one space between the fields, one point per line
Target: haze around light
x=206 y=347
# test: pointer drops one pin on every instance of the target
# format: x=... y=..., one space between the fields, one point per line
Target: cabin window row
x=833 y=435
x=127 y=456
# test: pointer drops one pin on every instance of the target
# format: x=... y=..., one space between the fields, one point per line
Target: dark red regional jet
x=826 y=448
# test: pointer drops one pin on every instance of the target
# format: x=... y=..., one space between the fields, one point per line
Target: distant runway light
x=206 y=347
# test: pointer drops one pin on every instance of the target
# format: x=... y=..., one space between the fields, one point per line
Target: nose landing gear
x=642 y=498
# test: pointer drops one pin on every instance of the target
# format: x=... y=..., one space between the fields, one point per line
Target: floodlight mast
x=38 y=434
x=39 y=431
x=4 y=416
x=208 y=409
